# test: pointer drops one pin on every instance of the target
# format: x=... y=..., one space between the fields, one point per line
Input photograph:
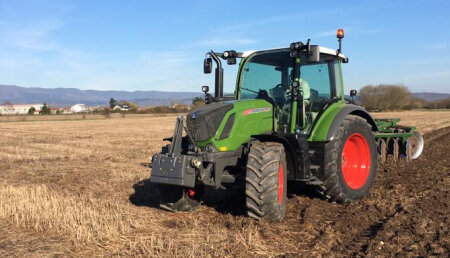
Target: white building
x=77 y=108
x=122 y=107
x=20 y=109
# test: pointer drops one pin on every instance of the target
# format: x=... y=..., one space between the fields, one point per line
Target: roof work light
x=340 y=33
x=340 y=36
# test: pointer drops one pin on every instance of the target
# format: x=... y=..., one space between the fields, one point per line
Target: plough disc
x=416 y=144
x=395 y=150
x=382 y=150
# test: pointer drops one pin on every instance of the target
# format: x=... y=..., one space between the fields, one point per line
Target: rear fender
x=343 y=113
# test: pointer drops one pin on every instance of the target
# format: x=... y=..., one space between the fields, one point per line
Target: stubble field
x=80 y=188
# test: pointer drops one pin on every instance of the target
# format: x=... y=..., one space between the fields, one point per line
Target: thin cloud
x=132 y=70
x=218 y=42
x=278 y=19
x=437 y=46
x=35 y=36
x=349 y=29
x=425 y=61
x=35 y=57
x=434 y=75
x=324 y=34
x=368 y=31
x=259 y=23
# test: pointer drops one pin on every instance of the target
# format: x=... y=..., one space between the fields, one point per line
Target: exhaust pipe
x=218 y=84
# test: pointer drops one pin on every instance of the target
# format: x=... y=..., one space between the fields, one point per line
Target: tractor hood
x=203 y=122
x=227 y=125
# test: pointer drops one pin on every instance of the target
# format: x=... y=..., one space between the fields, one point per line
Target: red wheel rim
x=280 y=183
x=356 y=161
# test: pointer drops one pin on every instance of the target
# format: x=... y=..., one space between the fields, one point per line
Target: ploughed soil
x=406 y=213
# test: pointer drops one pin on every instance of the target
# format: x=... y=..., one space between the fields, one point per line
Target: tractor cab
x=270 y=75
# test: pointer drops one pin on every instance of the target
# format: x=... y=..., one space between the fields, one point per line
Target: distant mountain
x=71 y=96
x=431 y=96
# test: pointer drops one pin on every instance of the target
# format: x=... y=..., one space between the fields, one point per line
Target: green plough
x=397 y=140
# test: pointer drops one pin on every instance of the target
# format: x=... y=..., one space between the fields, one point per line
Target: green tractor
x=288 y=120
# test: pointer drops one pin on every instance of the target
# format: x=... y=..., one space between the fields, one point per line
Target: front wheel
x=350 y=161
x=266 y=181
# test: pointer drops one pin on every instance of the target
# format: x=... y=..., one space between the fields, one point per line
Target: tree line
x=391 y=97
x=134 y=108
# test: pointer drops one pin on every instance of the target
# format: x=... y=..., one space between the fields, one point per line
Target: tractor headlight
x=225 y=54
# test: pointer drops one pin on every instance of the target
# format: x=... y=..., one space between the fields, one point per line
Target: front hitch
x=175 y=147
x=173 y=168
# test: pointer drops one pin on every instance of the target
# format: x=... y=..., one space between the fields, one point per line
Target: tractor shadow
x=300 y=189
x=226 y=201
x=144 y=194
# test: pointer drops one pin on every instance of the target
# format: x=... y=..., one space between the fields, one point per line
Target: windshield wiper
x=257 y=92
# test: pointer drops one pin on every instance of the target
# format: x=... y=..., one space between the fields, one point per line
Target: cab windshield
x=268 y=75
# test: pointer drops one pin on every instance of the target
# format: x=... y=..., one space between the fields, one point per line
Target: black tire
x=265 y=196
x=176 y=198
x=334 y=186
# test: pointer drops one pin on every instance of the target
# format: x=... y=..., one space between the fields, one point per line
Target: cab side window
x=317 y=78
x=338 y=78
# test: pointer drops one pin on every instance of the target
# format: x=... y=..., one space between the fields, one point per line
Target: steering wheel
x=279 y=94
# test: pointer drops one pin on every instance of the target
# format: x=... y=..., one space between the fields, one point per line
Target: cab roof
x=323 y=50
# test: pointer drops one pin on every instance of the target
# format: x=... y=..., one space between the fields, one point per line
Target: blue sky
x=160 y=45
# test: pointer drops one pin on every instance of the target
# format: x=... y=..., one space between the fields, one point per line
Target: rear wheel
x=266 y=181
x=350 y=161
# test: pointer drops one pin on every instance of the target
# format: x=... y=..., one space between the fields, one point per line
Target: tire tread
x=261 y=181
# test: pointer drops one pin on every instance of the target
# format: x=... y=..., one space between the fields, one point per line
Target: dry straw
x=40 y=208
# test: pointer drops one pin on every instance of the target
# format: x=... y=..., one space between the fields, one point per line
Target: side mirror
x=205 y=89
x=314 y=54
x=207 y=65
x=353 y=93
